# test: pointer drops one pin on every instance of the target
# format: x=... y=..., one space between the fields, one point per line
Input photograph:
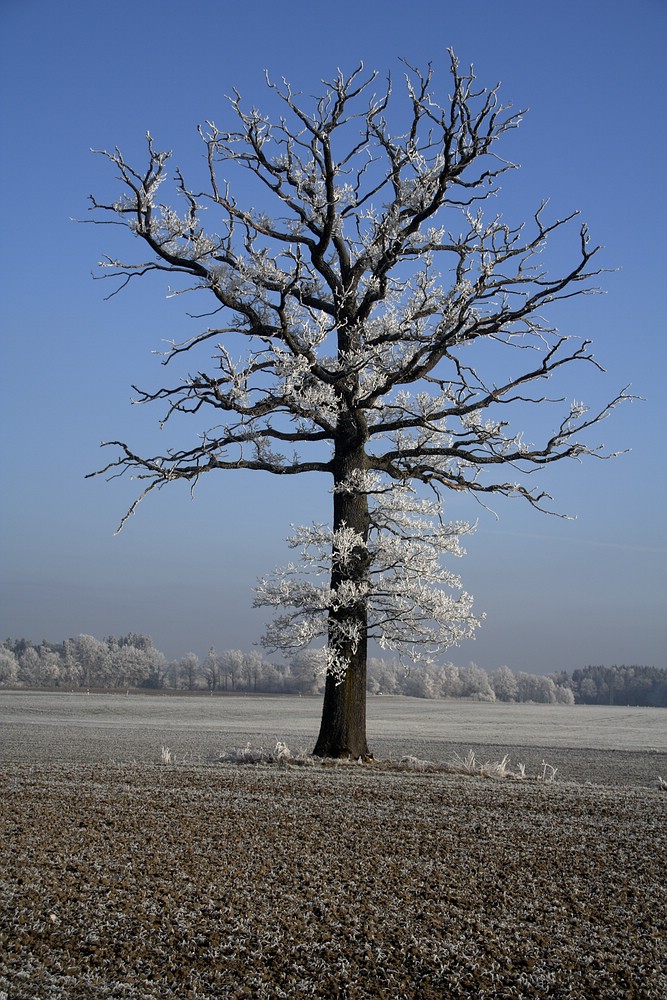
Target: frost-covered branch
x=416 y=606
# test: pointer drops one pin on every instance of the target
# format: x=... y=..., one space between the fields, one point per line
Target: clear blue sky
x=558 y=594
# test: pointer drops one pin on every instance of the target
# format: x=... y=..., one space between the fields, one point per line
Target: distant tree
x=273 y=677
x=620 y=685
x=384 y=676
x=188 y=671
x=50 y=665
x=254 y=672
x=40 y=666
x=153 y=666
x=18 y=646
x=504 y=684
x=543 y=690
x=71 y=669
x=307 y=670
x=212 y=670
x=29 y=667
x=133 y=661
x=9 y=667
x=91 y=658
x=122 y=664
x=564 y=695
x=375 y=328
x=231 y=668
x=451 y=685
x=418 y=683
x=475 y=683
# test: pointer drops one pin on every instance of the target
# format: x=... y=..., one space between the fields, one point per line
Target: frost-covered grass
x=390 y=719
x=621 y=746
x=282 y=756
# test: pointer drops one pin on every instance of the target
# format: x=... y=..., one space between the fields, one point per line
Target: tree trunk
x=343 y=727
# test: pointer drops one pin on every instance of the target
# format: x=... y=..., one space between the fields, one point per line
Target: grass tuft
x=282 y=756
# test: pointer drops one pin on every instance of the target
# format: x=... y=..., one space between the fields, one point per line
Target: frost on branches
x=415 y=606
x=366 y=317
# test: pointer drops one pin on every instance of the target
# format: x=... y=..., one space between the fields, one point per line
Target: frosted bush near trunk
x=247 y=755
x=411 y=763
x=548 y=772
x=280 y=755
x=416 y=607
x=468 y=764
x=499 y=768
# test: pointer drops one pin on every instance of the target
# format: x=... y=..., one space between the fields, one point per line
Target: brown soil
x=221 y=880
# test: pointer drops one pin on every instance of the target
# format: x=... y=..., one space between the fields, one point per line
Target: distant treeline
x=132 y=661
x=618 y=685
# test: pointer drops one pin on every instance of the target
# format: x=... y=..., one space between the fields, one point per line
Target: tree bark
x=343 y=726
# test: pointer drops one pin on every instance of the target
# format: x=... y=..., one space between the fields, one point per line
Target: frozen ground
x=616 y=745
x=122 y=877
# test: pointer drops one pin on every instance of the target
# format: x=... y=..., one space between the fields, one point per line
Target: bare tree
x=9 y=666
x=231 y=667
x=368 y=322
x=188 y=671
x=212 y=670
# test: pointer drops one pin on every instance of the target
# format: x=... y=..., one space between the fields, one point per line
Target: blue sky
x=558 y=594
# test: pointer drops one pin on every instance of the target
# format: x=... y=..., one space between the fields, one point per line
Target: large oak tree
x=370 y=323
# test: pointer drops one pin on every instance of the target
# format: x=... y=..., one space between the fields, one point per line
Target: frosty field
x=123 y=876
